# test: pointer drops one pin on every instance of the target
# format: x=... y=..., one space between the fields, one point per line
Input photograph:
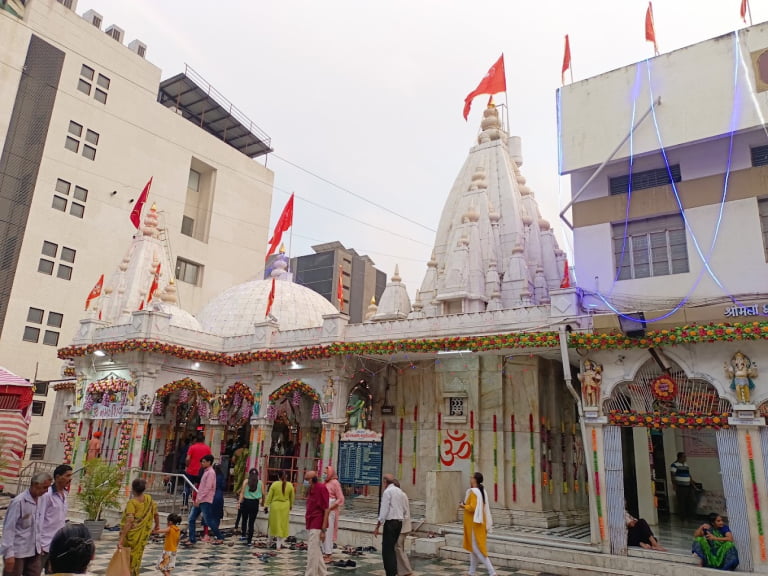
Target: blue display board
x=360 y=463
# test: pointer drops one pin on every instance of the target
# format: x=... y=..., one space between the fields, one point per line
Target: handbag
x=120 y=564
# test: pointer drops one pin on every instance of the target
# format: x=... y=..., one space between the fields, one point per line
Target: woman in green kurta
x=139 y=518
x=279 y=503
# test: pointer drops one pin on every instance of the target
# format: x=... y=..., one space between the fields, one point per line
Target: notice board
x=360 y=462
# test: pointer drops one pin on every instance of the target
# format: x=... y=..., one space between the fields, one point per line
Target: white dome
x=235 y=311
x=179 y=318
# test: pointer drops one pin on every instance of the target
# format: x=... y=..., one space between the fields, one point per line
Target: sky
x=369 y=95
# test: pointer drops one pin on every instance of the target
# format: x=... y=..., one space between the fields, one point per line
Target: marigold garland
x=691 y=334
x=292 y=387
x=108 y=385
x=689 y=420
x=69 y=385
x=184 y=383
x=664 y=388
x=237 y=388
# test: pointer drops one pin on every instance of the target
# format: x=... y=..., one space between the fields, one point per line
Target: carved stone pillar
x=261 y=434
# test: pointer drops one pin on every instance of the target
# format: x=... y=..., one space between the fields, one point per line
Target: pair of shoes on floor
x=345 y=564
x=369 y=549
x=263 y=557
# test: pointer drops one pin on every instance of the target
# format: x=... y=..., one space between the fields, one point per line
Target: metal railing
x=26 y=473
x=170 y=491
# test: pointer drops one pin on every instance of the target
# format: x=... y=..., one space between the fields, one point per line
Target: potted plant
x=99 y=489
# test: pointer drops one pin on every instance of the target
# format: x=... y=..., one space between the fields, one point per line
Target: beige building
x=85 y=121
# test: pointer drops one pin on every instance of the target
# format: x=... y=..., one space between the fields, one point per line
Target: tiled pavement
x=239 y=560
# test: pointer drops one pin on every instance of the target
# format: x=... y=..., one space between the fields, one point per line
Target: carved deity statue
x=357 y=410
x=591 y=379
x=740 y=372
x=329 y=393
x=216 y=404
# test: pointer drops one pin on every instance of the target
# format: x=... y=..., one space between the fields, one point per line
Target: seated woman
x=713 y=545
x=640 y=534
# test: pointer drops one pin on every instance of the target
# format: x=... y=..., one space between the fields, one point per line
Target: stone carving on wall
x=740 y=372
x=591 y=379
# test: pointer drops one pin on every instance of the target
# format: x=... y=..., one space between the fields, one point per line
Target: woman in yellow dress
x=139 y=517
x=279 y=503
x=477 y=524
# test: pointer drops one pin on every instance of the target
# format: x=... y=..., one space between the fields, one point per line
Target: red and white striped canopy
x=9 y=378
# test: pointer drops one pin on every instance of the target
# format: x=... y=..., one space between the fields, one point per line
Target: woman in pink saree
x=336 y=495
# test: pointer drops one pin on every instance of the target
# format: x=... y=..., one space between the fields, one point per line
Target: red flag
x=650 y=31
x=566 y=59
x=95 y=292
x=566 y=283
x=155 y=283
x=283 y=223
x=136 y=212
x=493 y=82
x=141 y=306
x=744 y=10
x=271 y=297
x=340 y=292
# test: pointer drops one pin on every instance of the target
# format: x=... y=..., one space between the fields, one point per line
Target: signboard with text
x=360 y=458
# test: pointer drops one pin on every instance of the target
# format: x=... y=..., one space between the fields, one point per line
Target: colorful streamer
x=513 y=441
x=564 y=465
x=400 y=444
x=598 y=499
x=549 y=459
x=439 y=438
x=533 y=458
x=575 y=456
x=495 y=462
x=471 y=442
x=415 y=430
x=756 y=496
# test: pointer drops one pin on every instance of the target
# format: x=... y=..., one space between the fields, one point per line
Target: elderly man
x=52 y=508
x=316 y=519
x=20 y=546
x=403 y=563
x=391 y=515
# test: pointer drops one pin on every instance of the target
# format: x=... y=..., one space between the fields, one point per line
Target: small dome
x=235 y=311
x=179 y=318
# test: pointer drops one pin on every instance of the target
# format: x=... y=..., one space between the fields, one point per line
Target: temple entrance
x=668 y=425
x=294 y=446
x=233 y=411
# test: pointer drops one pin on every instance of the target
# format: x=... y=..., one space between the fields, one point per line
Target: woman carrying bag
x=139 y=518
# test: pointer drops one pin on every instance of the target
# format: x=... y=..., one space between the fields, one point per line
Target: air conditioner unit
x=139 y=47
x=94 y=18
x=116 y=33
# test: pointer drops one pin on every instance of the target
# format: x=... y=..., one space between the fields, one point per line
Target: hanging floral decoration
x=184 y=384
x=664 y=388
x=688 y=420
x=123 y=443
x=68 y=385
x=293 y=391
x=236 y=405
x=68 y=372
x=108 y=385
x=70 y=428
x=192 y=396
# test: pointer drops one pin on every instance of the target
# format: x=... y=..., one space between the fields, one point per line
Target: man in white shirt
x=403 y=563
x=391 y=515
x=20 y=545
x=52 y=508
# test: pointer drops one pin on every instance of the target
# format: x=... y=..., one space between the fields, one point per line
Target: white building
x=85 y=121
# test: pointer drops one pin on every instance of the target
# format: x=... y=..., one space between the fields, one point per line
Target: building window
x=187 y=226
x=762 y=207
x=759 y=155
x=38 y=407
x=34 y=326
x=52 y=257
x=74 y=140
x=456 y=406
x=85 y=82
x=41 y=387
x=646 y=179
x=37 y=452
x=193 y=183
x=61 y=198
x=188 y=272
x=653 y=247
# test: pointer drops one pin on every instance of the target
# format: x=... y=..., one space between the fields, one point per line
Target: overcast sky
x=369 y=94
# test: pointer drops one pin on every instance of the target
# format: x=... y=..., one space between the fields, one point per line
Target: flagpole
x=506 y=98
x=290 y=241
x=749 y=13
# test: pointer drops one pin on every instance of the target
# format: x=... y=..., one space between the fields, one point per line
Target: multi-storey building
x=85 y=122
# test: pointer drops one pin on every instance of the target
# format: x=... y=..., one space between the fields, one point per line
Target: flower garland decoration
x=294 y=391
x=664 y=388
x=70 y=427
x=238 y=388
x=68 y=372
x=184 y=384
x=124 y=443
x=69 y=385
x=108 y=385
x=236 y=405
x=688 y=420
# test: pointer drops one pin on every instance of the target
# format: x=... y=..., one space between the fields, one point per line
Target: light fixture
x=99 y=353
x=449 y=352
x=196 y=365
x=295 y=365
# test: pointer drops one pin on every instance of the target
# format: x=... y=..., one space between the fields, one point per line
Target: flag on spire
x=95 y=292
x=493 y=82
x=340 y=291
x=745 y=10
x=566 y=59
x=155 y=283
x=271 y=297
x=137 y=208
x=650 y=30
x=566 y=283
x=283 y=223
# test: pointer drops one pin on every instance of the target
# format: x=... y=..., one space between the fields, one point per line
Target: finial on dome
x=282 y=248
x=396 y=275
x=153 y=207
x=372 y=309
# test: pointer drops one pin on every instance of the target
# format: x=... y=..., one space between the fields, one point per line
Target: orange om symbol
x=458 y=447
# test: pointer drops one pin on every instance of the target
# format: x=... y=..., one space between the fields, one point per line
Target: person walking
x=53 y=507
x=20 y=545
x=193 y=458
x=170 y=544
x=94 y=446
x=336 y=501
x=403 y=562
x=316 y=523
x=680 y=474
x=477 y=524
x=391 y=514
x=137 y=523
x=204 y=503
x=279 y=504
x=251 y=494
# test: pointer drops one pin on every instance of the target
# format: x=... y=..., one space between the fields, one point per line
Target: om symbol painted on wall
x=455 y=447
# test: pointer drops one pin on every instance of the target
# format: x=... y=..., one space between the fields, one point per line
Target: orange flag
x=283 y=223
x=566 y=283
x=745 y=10
x=271 y=297
x=493 y=82
x=136 y=212
x=650 y=30
x=155 y=283
x=95 y=292
x=566 y=59
x=340 y=292
x=141 y=306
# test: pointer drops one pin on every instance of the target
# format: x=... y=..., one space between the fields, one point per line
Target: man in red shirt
x=194 y=455
x=316 y=518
